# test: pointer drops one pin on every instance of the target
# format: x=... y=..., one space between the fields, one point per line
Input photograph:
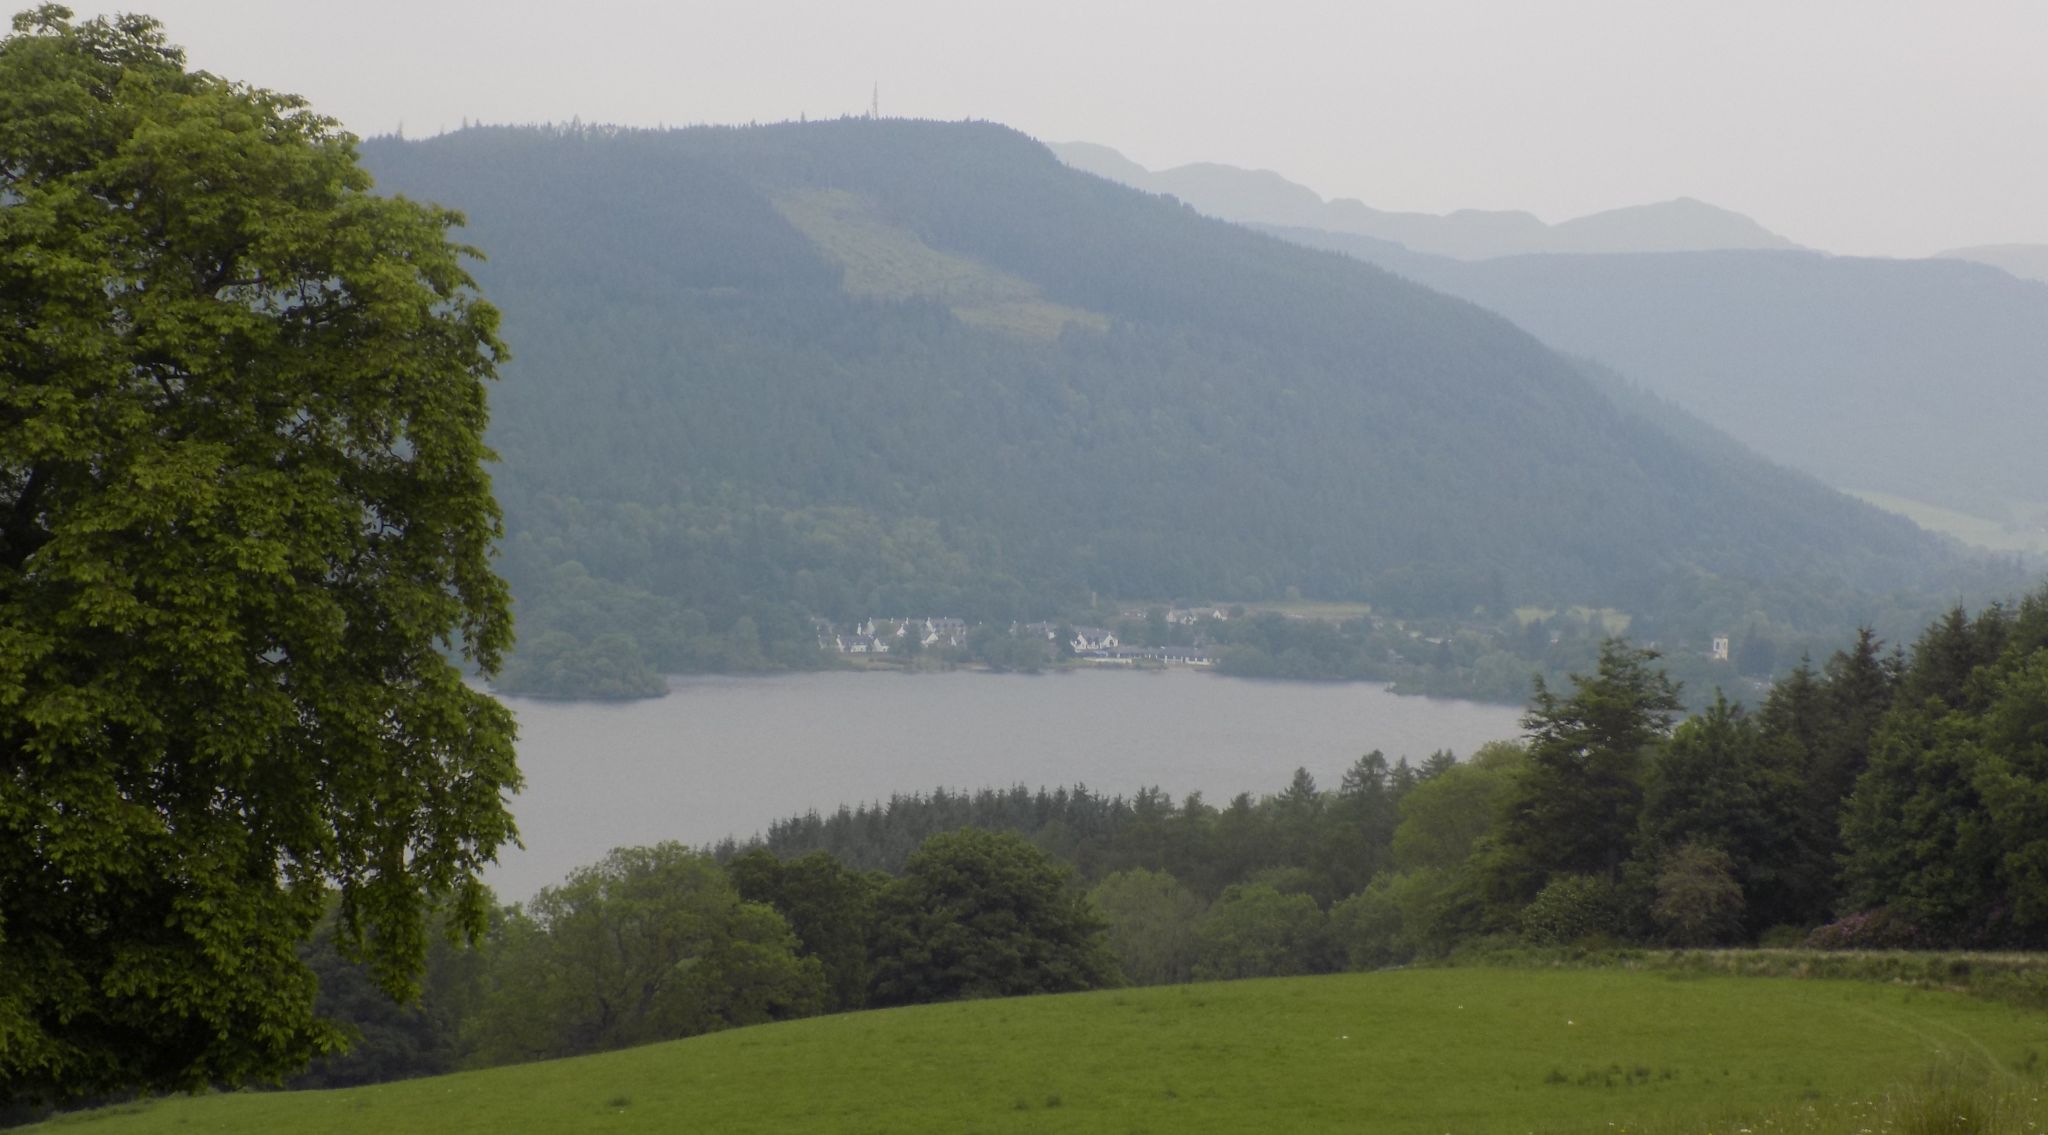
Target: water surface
x=725 y=756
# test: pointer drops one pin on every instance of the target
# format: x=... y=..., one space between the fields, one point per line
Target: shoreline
x=678 y=680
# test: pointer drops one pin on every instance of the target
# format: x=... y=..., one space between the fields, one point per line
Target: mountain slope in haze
x=862 y=367
x=2027 y=261
x=1922 y=379
x=1267 y=198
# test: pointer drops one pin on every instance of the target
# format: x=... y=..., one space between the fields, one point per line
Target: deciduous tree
x=1152 y=920
x=985 y=914
x=244 y=520
x=830 y=906
x=1254 y=930
x=652 y=943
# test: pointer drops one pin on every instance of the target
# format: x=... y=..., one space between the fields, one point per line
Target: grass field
x=1442 y=1050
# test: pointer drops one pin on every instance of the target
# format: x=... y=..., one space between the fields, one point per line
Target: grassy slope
x=2025 y=528
x=1465 y=1050
x=890 y=262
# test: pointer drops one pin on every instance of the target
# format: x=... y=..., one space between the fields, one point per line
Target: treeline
x=1476 y=656
x=655 y=943
x=1484 y=659
x=1099 y=835
x=1884 y=799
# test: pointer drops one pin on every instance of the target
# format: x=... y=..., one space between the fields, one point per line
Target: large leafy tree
x=986 y=914
x=244 y=524
x=830 y=907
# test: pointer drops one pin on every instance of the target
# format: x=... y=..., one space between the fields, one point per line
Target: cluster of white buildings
x=880 y=636
x=1085 y=640
x=1088 y=644
x=1101 y=645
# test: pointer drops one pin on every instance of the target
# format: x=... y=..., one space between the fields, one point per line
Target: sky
x=1873 y=127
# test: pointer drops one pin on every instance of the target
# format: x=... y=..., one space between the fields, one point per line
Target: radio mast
x=875 y=103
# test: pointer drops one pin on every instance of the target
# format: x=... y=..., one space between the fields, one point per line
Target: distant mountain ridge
x=1265 y=197
x=1914 y=379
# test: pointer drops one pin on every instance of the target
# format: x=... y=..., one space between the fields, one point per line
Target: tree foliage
x=830 y=907
x=387 y=1039
x=243 y=516
x=986 y=914
x=1443 y=818
x=653 y=943
x=1255 y=930
x=1699 y=898
x=1576 y=805
x=1572 y=908
x=1944 y=830
x=1153 y=919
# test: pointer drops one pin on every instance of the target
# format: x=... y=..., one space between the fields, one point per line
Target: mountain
x=1921 y=379
x=1266 y=198
x=872 y=367
x=1679 y=225
x=2027 y=261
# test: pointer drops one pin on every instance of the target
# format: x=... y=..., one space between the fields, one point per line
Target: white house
x=1093 y=638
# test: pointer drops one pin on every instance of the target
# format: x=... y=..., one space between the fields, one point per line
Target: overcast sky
x=1889 y=127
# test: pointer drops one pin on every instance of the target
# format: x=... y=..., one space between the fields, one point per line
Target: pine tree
x=1576 y=808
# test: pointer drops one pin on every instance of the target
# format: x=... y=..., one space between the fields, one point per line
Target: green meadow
x=1437 y=1050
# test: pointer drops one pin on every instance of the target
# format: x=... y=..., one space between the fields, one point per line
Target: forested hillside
x=862 y=367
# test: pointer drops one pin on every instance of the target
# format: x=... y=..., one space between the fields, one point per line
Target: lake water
x=725 y=756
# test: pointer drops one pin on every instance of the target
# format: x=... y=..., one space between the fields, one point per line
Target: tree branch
x=20 y=536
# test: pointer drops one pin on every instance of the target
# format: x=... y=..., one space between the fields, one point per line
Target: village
x=1083 y=644
x=1444 y=658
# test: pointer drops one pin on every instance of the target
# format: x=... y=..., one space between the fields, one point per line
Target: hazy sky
x=1893 y=127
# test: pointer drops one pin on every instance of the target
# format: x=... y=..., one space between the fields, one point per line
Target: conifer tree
x=1575 y=808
